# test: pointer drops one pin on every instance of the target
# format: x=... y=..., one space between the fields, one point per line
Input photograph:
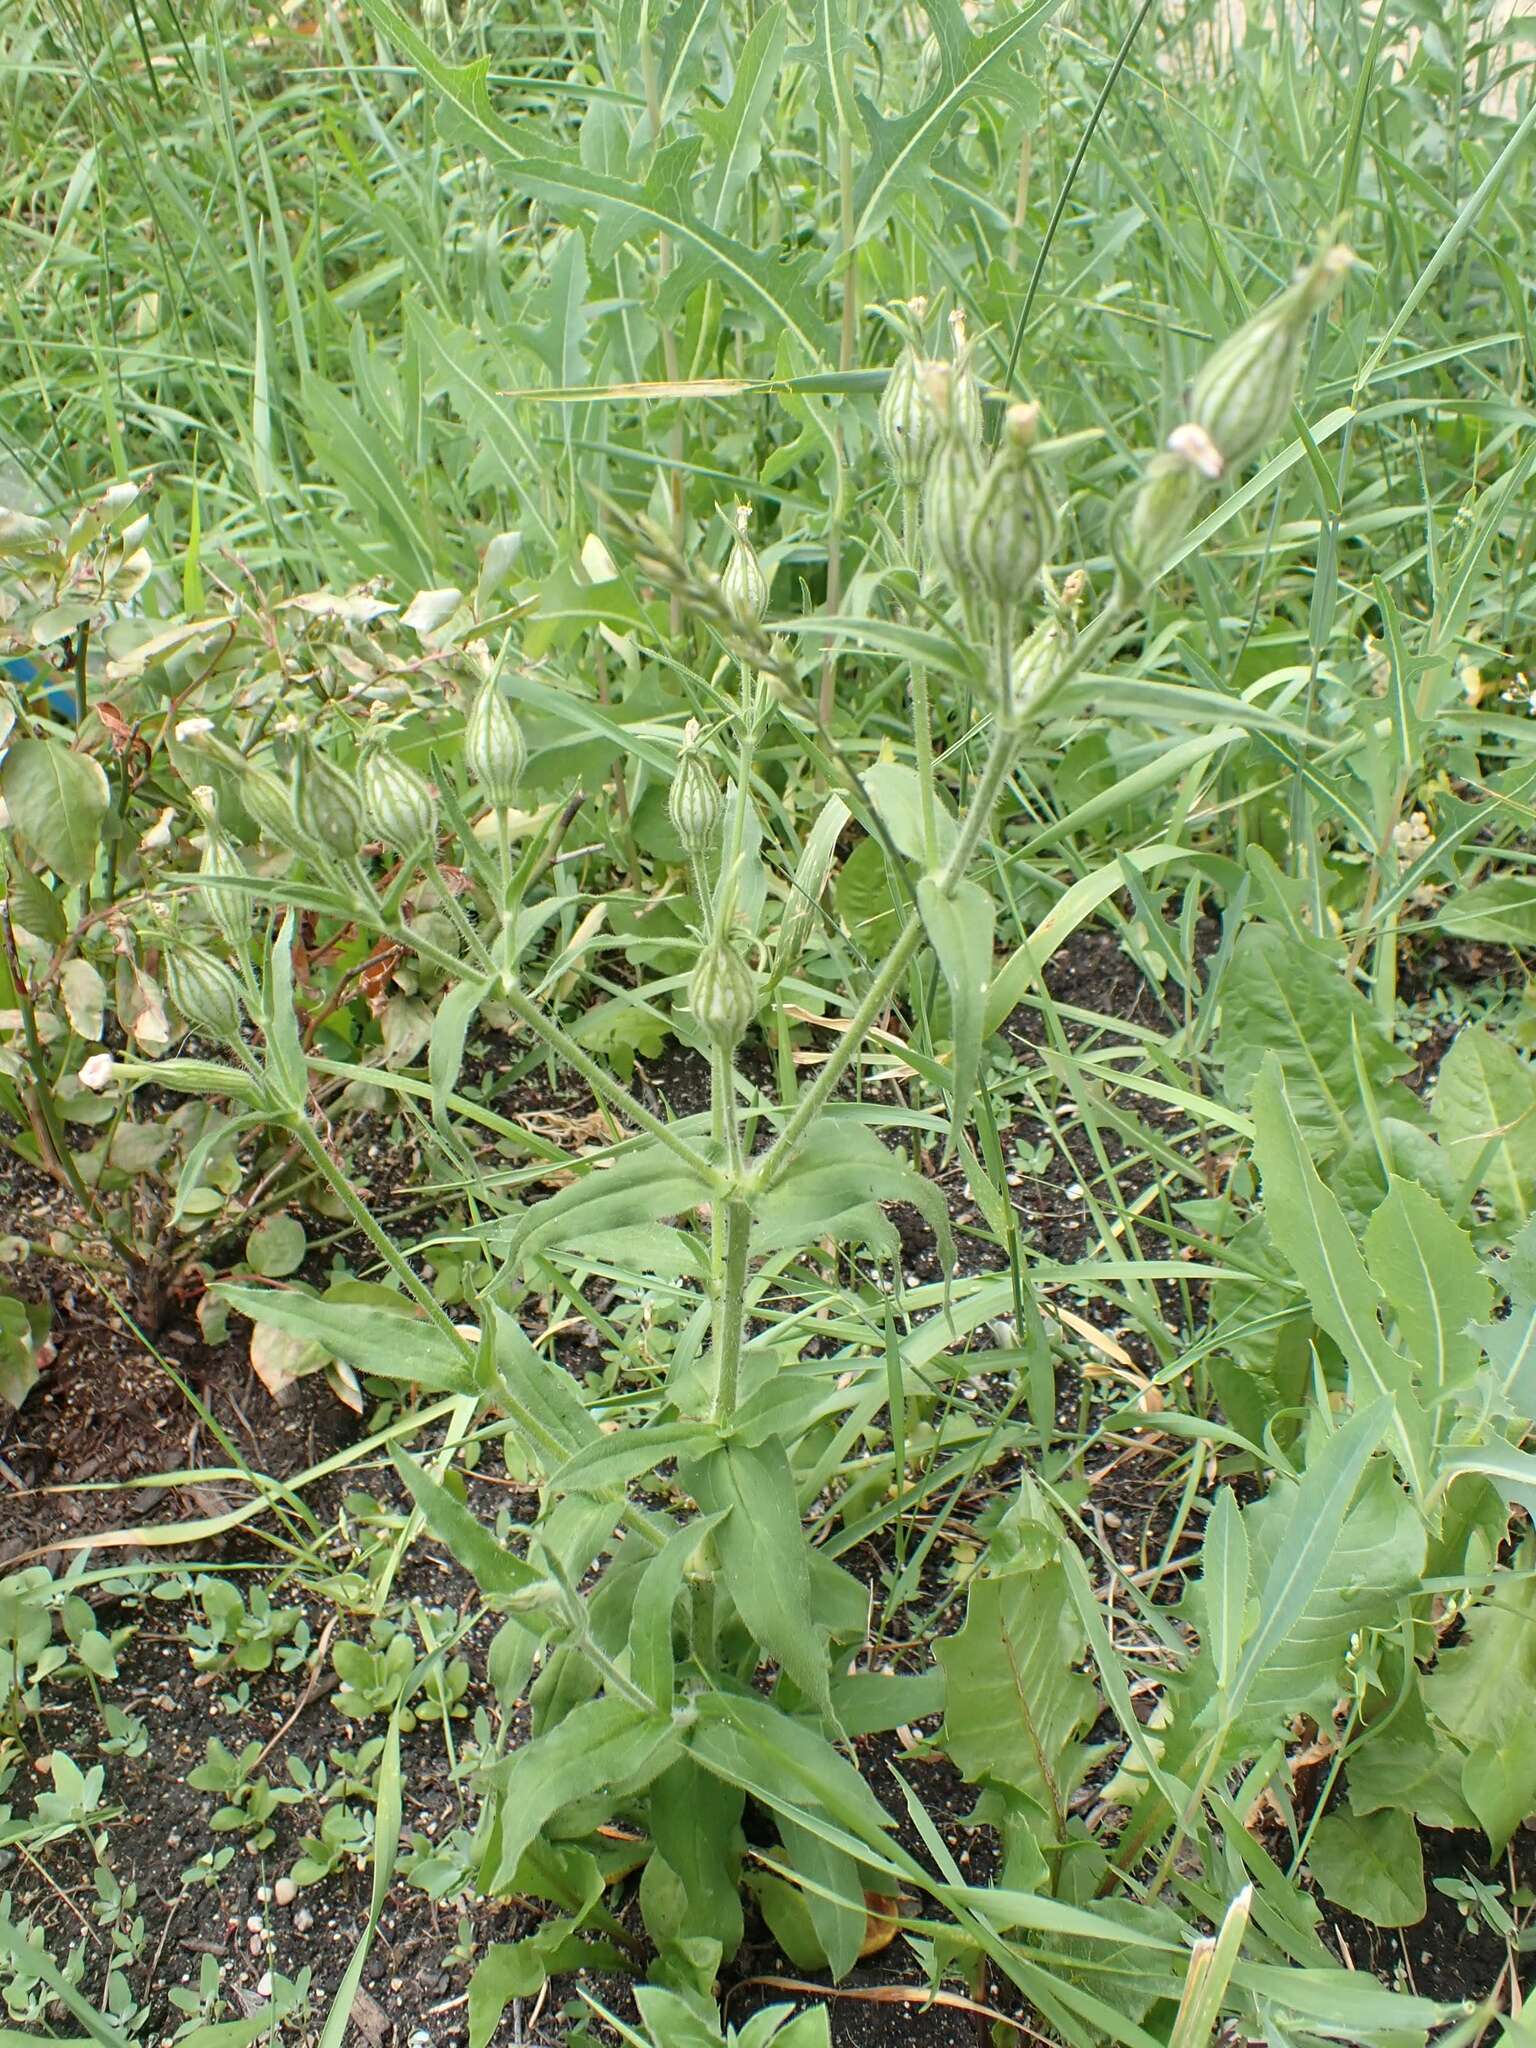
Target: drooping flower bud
x=398 y=802
x=694 y=800
x=1013 y=523
x=1159 y=511
x=495 y=751
x=950 y=489
x=205 y=992
x=229 y=908
x=270 y=804
x=965 y=388
x=743 y=583
x=1242 y=396
x=326 y=806
x=722 y=993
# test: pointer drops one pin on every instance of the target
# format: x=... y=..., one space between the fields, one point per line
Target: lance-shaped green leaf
x=763 y=1557
x=1015 y=1703
x=960 y=926
x=639 y=1190
x=389 y=1344
x=57 y=800
x=840 y=1172
x=1308 y=1225
x=1427 y=1269
x=604 y=1745
x=1485 y=1112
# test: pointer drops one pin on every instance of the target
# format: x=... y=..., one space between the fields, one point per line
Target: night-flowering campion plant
x=704 y=1658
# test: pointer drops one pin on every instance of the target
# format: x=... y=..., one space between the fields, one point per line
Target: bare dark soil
x=115 y=1440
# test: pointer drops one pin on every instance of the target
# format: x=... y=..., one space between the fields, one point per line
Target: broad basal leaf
x=57 y=800
x=1485 y=1111
x=1283 y=999
x=1015 y=1703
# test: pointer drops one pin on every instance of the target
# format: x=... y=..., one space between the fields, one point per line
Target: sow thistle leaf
x=1306 y=1222
x=1427 y=1269
x=899 y=150
x=1479 y=1695
x=735 y=130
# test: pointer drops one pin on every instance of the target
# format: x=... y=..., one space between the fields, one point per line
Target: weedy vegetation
x=598 y=610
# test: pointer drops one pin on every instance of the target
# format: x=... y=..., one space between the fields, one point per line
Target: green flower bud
x=399 y=804
x=694 y=800
x=965 y=389
x=327 y=808
x=1012 y=526
x=743 y=583
x=270 y=804
x=494 y=748
x=205 y=992
x=723 y=993
x=950 y=489
x=909 y=430
x=230 y=909
x=1039 y=666
x=1242 y=397
x=1161 y=509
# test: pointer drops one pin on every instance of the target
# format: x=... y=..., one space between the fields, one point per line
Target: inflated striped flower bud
x=326 y=806
x=205 y=992
x=1242 y=396
x=909 y=432
x=495 y=751
x=694 y=801
x=1013 y=524
x=965 y=389
x=743 y=583
x=229 y=908
x=270 y=804
x=950 y=489
x=398 y=802
x=722 y=993
x=1161 y=509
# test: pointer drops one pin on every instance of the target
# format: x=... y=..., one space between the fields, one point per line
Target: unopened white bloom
x=159 y=834
x=96 y=1073
x=193 y=728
